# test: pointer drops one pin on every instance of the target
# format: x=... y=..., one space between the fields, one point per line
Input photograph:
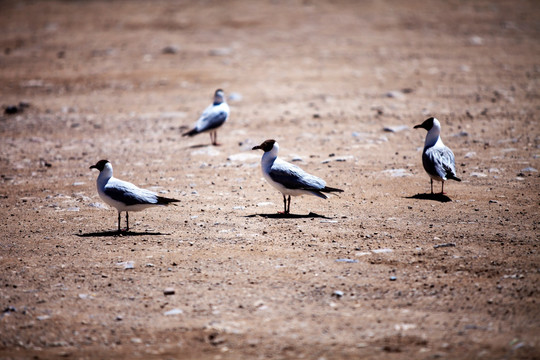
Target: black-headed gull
x=289 y=179
x=122 y=195
x=437 y=158
x=213 y=117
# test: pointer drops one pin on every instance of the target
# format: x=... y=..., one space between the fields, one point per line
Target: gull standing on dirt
x=437 y=158
x=289 y=179
x=122 y=195
x=213 y=117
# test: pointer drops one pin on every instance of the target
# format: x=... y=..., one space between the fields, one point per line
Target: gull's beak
x=93 y=167
x=418 y=126
x=256 y=147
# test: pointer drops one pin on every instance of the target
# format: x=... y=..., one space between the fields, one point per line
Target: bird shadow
x=427 y=196
x=289 y=216
x=120 y=233
x=198 y=146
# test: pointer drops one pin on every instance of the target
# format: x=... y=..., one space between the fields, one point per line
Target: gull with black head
x=124 y=196
x=289 y=179
x=437 y=158
x=212 y=117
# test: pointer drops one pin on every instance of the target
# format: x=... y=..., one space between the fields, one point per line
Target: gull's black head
x=100 y=165
x=265 y=146
x=428 y=124
x=219 y=97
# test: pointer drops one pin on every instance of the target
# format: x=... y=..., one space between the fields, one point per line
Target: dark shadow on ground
x=428 y=196
x=120 y=233
x=289 y=216
x=198 y=146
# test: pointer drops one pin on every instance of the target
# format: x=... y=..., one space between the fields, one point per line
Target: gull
x=437 y=158
x=213 y=117
x=122 y=195
x=289 y=179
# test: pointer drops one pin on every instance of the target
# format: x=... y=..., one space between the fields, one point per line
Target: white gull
x=289 y=179
x=122 y=195
x=213 y=117
x=437 y=158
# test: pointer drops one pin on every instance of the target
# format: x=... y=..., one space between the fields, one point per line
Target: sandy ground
x=382 y=271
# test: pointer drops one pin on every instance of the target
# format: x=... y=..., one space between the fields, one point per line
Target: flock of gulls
x=438 y=161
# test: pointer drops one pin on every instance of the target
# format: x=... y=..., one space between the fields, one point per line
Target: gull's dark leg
x=119 y=213
x=214 y=140
x=289 y=205
x=127 y=221
x=284 y=204
x=432 y=186
x=442 y=188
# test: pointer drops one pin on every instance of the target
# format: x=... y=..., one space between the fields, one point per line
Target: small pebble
x=175 y=311
x=339 y=159
x=12 y=109
x=235 y=96
x=476 y=40
x=397 y=172
x=395 y=129
x=381 y=251
x=98 y=205
x=220 y=52
x=169 y=291
x=444 y=245
x=396 y=94
x=461 y=134
x=171 y=49
x=347 y=260
x=126 y=264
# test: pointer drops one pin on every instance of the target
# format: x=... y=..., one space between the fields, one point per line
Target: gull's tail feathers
x=326 y=189
x=192 y=132
x=331 y=189
x=166 y=201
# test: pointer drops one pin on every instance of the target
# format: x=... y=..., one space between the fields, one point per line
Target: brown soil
x=360 y=275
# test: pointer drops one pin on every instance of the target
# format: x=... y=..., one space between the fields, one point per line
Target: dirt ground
x=382 y=271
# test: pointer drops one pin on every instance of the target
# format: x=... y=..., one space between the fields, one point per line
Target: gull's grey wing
x=292 y=177
x=129 y=194
x=439 y=161
x=212 y=117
